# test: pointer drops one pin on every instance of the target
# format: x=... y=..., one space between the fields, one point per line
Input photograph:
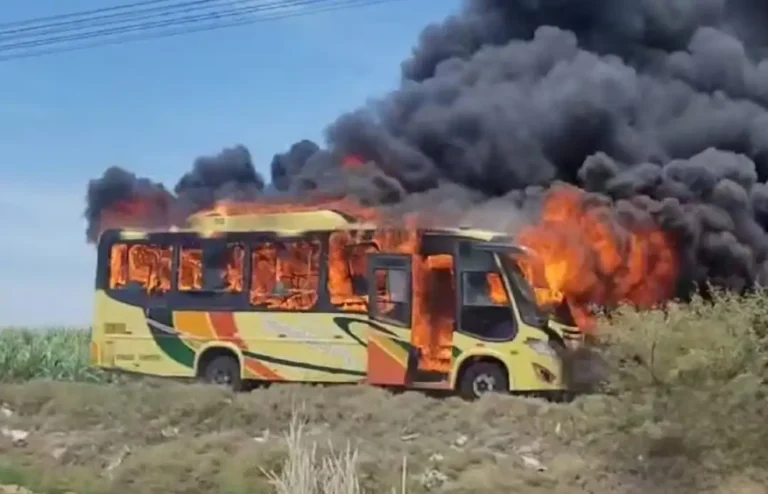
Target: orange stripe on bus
x=194 y=324
x=262 y=370
x=226 y=329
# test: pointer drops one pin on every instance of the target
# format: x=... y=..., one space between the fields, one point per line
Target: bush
x=691 y=379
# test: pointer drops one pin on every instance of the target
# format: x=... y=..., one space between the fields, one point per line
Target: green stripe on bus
x=174 y=347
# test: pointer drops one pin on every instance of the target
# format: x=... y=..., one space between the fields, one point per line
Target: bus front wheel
x=223 y=370
x=482 y=377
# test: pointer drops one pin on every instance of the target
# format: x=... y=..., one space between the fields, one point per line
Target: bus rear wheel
x=224 y=371
x=481 y=378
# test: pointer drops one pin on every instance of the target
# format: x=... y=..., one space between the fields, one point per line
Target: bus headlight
x=541 y=347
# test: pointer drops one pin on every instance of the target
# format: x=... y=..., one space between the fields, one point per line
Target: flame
x=287 y=278
x=141 y=265
x=585 y=256
x=352 y=161
x=137 y=212
x=434 y=296
x=496 y=289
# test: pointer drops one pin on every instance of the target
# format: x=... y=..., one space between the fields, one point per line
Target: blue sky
x=152 y=107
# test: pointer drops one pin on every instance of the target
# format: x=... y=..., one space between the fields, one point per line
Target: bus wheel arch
x=220 y=366
x=480 y=375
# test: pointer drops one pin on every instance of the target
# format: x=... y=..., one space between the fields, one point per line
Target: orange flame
x=141 y=212
x=352 y=161
x=585 y=257
x=141 y=265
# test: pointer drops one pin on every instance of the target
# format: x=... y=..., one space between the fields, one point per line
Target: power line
x=26 y=22
x=114 y=17
x=348 y=4
x=222 y=14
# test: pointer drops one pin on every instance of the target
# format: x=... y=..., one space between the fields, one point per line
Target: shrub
x=691 y=378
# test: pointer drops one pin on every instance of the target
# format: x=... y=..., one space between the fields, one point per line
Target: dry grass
x=684 y=411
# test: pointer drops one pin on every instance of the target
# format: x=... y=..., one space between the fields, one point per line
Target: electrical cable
x=114 y=18
x=69 y=15
x=4 y=45
x=349 y=4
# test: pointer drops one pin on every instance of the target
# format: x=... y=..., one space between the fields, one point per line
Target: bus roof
x=292 y=223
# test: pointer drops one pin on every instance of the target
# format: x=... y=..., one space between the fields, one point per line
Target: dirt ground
x=162 y=437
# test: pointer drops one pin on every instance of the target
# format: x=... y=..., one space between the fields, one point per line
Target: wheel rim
x=221 y=377
x=484 y=383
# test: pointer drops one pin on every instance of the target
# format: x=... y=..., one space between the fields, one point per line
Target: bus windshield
x=530 y=312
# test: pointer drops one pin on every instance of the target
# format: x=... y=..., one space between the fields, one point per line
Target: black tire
x=223 y=370
x=482 y=378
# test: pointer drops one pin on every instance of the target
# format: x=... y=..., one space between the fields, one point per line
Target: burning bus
x=320 y=296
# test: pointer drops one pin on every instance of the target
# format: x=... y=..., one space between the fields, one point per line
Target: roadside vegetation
x=683 y=410
x=46 y=353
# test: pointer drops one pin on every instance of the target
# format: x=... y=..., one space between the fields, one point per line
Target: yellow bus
x=320 y=297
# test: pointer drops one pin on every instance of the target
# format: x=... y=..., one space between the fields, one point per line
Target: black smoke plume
x=658 y=107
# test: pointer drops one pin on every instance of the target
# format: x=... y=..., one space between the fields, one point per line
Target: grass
x=684 y=410
x=51 y=353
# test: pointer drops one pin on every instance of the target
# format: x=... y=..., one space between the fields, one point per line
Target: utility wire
x=222 y=14
x=69 y=15
x=349 y=4
x=115 y=17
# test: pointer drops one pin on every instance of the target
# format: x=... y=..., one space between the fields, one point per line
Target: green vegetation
x=51 y=353
x=683 y=410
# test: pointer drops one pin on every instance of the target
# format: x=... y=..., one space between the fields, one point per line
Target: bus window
x=215 y=268
x=348 y=271
x=392 y=296
x=140 y=267
x=190 y=270
x=484 y=290
x=285 y=275
x=486 y=310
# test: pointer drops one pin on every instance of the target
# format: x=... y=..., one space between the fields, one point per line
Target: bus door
x=392 y=359
x=411 y=339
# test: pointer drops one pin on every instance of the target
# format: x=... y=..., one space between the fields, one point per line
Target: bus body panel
x=129 y=340
x=271 y=346
x=296 y=346
x=520 y=360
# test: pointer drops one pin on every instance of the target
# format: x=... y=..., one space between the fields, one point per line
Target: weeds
x=685 y=412
x=302 y=473
x=692 y=379
x=58 y=354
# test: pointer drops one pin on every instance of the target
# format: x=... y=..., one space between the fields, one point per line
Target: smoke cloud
x=658 y=108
